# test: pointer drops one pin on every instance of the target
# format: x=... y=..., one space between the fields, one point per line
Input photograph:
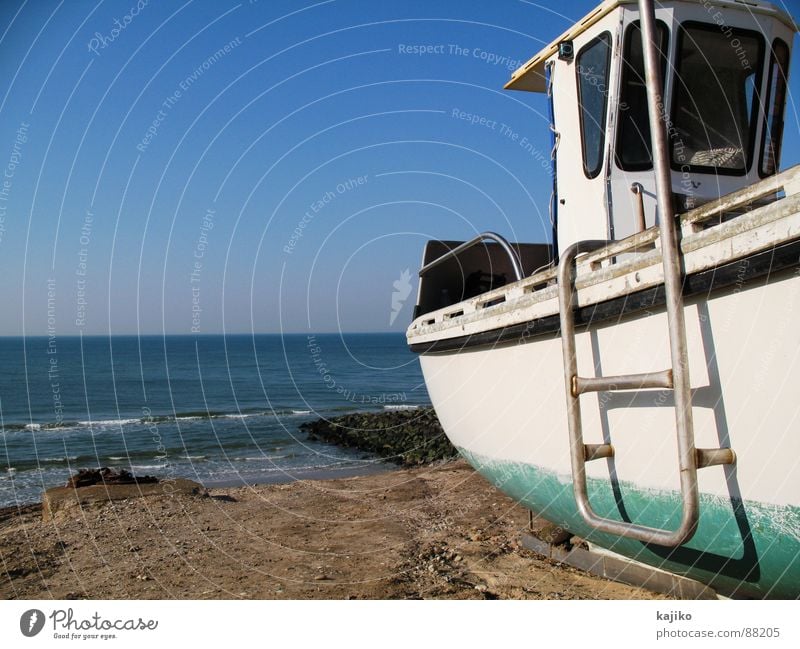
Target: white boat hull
x=504 y=407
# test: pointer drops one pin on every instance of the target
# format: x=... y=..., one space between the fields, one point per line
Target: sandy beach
x=438 y=531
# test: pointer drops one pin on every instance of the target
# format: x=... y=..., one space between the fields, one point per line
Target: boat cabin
x=724 y=66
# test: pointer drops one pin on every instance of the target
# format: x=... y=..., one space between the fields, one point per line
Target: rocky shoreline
x=405 y=437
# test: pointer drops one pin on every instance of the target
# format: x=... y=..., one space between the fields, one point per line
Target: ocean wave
x=179 y=416
x=261 y=458
x=241 y=415
x=63 y=462
x=123 y=422
x=110 y=422
x=185 y=416
x=401 y=406
x=193 y=457
x=39 y=426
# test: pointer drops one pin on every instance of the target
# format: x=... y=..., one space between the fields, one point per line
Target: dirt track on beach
x=432 y=532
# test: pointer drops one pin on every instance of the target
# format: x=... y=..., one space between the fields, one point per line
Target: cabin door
x=580 y=103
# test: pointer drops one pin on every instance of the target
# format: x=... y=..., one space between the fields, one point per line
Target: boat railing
x=700 y=218
x=727 y=218
x=516 y=264
x=787 y=181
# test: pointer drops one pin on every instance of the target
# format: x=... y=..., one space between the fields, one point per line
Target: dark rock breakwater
x=406 y=437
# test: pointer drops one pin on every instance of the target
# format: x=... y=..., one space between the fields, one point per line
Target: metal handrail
x=638 y=191
x=516 y=265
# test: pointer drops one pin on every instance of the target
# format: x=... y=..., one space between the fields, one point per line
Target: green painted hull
x=741 y=548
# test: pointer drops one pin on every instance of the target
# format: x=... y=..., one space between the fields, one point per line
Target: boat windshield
x=715 y=105
x=633 y=134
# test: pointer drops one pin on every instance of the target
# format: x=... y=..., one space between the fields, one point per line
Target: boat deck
x=736 y=226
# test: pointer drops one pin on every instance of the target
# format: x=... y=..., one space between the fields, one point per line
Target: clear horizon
x=226 y=333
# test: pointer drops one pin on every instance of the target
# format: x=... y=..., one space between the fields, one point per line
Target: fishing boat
x=635 y=380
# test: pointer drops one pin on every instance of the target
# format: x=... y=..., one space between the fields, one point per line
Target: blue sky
x=158 y=183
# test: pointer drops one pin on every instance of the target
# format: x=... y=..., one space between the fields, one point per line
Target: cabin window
x=591 y=67
x=715 y=103
x=633 y=132
x=775 y=101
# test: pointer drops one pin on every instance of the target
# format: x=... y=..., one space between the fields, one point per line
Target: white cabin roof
x=530 y=76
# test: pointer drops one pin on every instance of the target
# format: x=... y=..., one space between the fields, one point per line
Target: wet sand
x=438 y=531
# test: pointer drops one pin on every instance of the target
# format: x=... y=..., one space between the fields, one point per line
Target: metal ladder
x=690 y=459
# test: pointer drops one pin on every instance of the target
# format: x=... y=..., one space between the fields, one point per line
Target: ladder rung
x=642 y=381
x=597 y=451
x=713 y=456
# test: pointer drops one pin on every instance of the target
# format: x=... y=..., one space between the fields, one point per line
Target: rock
x=88 y=477
x=553 y=534
x=60 y=499
x=406 y=437
x=18 y=510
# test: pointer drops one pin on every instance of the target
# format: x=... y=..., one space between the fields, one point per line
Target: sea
x=221 y=410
